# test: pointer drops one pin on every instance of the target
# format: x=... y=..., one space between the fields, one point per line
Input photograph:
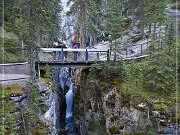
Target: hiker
x=55 y=45
x=62 y=44
x=59 y=44
x=75 y=46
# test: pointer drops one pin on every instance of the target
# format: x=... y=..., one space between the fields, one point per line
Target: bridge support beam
x=86 y=56
x=62 y=56
x=108 y=55
x=98 y=56
x=37 y=70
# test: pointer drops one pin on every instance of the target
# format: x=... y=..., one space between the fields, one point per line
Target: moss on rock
x=116 y=129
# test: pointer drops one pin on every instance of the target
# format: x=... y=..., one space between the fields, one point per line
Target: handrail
x=11 y=64
x=72 y=50
x=61 y=54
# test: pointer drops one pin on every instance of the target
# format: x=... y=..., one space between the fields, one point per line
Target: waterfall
x=63 y=76
x=61 y=109
x=62 y=102
x=69 y=101
x=67 y=87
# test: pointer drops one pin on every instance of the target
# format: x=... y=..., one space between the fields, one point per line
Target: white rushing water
x=67 y=24
x=69 y=101
x=63 y=76
x=65 y=79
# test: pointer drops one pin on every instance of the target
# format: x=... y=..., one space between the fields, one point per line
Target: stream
x=61 y=109
x=62 y=99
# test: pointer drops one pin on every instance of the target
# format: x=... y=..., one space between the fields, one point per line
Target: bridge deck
x=67 y=64
x=56 y=64
x=58 y=57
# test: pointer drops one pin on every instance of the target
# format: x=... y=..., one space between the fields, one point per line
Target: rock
x=141 y=106
x=24 y=102
x=168 y=131
x=18 y=123
x=162 y=117
x=17 y=98
x=15 y=112
x=156 y=113
x=132 y=127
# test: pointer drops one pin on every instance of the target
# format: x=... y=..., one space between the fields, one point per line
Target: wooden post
x=36 y=52
x=147 y=45
x=108 y=55
x=54 y=55
x=36 y=64
x=126 y=52
x=22 y=47
x=37 y=71
x=141 y=49
x=86 y=56
x=98 y=56
x=62 y=55
x=70 y=72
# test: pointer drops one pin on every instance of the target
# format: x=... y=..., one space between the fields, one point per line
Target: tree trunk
x=82 y=29
x=142 y=22
x=154 y=30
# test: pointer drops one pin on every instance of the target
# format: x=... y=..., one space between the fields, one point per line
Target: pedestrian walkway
x=5 y=77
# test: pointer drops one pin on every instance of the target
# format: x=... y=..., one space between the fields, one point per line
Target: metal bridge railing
x=72 y=55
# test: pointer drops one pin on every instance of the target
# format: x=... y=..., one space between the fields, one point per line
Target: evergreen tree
x=89 y=17
x=79 y=8
x=116 y=22
x=33 y=23
x=160 y=73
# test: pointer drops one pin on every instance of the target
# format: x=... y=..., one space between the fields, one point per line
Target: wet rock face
x=18 y=112
x=15 y=98
x=171 y=130
x=119 y=118
x=100 y=104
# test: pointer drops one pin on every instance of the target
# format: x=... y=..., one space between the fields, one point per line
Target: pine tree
x=30 y=22
x=160 y=72
x=89 y=18
x=116 y=22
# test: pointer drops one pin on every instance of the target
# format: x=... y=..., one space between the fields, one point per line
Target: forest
x=128 y=97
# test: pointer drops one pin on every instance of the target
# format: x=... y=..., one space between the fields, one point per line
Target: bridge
x=71 y=57
x=60 y=57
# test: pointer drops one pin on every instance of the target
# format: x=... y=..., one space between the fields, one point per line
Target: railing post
x=98 y=56
x=70 y=72
x=37 y=71
x=54 y=55
x=37 y=54
x=141 y=49
x=75 y=55
x=62 y=55
x=86 y=56
x=147 y=44
x=108 y=54
x=126 y=52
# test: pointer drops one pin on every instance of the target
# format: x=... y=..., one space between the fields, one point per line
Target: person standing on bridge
x=55 y=45
x=62 y=44
x=75 y=46
x=59 y=44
